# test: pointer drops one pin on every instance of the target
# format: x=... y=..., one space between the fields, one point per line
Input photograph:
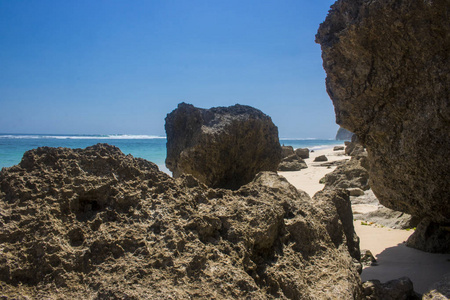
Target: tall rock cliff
x=222 y=146
x=388 y=75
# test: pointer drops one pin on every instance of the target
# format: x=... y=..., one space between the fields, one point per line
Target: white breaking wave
x=82 y=137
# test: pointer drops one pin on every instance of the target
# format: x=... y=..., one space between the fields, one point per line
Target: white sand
x=394 y=259
x=308 y=179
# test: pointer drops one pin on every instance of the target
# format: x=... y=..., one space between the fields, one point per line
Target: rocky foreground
x=93 y=223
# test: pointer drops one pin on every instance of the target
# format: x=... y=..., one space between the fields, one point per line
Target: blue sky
x=104 y=67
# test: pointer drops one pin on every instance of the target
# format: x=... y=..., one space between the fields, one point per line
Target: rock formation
x=352 y=174
x=223 y=146
x=388 y=75
x=431 y=237
x=302 y=152
x=321 y=158
x=354 y=148
x=396 y=289
x=292 y=163
x=97 y=224
x=343 y=134
x=338 y=219
x=287 y=151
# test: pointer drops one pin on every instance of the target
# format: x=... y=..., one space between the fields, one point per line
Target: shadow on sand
x=421 y=267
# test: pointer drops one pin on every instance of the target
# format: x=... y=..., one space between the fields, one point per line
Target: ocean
x=149 y=147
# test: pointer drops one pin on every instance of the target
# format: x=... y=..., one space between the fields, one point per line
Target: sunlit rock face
x=388 y=75
x=222 y=146
x=97 y=224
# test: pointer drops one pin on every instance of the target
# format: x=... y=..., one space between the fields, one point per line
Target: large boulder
x=96 y=224
x=388 y=68
x=222 y=146
x=302 y=152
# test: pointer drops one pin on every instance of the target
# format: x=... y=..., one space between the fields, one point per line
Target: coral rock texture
x=97 y=224
x=388 y=75
x=222 y=146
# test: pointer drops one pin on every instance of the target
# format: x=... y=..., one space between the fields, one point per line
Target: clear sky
x=107 y=67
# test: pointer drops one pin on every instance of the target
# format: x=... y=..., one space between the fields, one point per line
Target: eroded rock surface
x=292 y=163
x=302 y=152
x=351 y=174
x=397 y=289
x=338 y=219
x=354 y=148
x=222 y=146
x=94 y=224
x=388 y=74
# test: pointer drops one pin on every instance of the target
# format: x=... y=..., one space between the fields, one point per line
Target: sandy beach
x=394 y=258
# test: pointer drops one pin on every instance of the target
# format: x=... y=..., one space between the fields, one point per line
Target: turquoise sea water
x=152 y=148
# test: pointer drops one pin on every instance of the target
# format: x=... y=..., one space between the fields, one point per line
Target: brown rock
x=367 y=258
x=354 y=149
x=302 y=152
x=96 y=224
x=292 y=163
x=397 y=289
x=431 y=237
x=388 y=76
x=287 y=151
x=321 y=158
x=334 y=163
x=338 y=148
x=338 y=219
x=223 y=146
x=352 y=174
